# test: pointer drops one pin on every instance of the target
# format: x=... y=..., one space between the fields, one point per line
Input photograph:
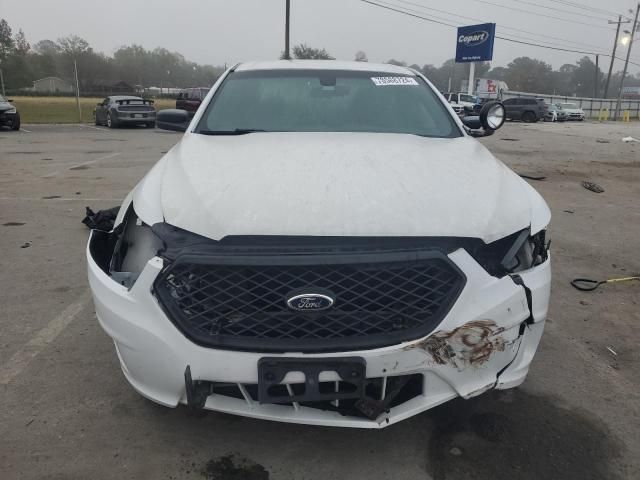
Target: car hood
x=336 y=184
x=5 y=106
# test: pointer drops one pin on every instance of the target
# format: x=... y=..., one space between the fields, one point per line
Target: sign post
x=475 y=44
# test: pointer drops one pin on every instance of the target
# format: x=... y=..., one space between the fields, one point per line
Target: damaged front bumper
x=487 y=340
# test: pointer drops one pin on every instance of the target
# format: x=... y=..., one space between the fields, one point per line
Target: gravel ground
x=66 y=411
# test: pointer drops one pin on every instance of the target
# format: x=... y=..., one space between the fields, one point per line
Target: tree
x=399 y=63
x=304 y=52
x=361 y=57
x=529 y=75
x=73 y=45
x=583 y=77
x=6 y=39
x=22 y=47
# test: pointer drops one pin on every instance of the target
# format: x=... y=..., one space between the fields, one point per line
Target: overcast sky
x=216 y=31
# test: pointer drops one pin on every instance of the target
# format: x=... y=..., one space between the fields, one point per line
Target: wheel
x=529 y=117
x=16 y=122
x=111 y=123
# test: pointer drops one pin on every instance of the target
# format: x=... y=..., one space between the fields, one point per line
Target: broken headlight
x=514 y=253
x=136 y=245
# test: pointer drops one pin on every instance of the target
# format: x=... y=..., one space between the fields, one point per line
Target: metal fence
x=591 y=106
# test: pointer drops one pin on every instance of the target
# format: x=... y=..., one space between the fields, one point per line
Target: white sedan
x=573 y=111
x=327 y=244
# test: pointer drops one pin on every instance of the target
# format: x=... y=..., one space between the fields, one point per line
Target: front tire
x=16 y=123
x=529 y=117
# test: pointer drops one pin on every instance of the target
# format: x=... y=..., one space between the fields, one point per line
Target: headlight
x=11 y=110
x=514 y=253
x=136 y=245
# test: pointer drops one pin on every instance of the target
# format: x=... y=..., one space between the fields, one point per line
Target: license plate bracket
x=272 y=370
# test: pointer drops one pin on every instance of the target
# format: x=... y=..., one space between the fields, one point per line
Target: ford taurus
x=326 y=244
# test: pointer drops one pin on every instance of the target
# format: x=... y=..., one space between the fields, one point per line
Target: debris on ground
x=529 y=176
x=612 y=351
x=50 y=197
x=102 y=219
x=599 y=140
x=569 y=211
x=25 y=245
x=630 y=139
x=509 y=139
x=594 y=187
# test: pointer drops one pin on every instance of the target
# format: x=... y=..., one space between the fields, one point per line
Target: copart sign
x=474 y=43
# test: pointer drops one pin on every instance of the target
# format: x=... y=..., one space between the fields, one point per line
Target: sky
x=218 y=32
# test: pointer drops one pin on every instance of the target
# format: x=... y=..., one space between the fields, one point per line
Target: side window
x=530 y=101
x=510 y=101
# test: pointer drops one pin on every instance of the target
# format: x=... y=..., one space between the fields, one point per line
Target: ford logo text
x=310 y=302
x=473 y=39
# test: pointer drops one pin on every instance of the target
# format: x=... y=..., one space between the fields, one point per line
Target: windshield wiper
x=237 y=131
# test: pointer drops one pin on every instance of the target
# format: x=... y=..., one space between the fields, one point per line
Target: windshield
x=326 y=101
x=2 y=99
x=568 y=105
x=467 y=98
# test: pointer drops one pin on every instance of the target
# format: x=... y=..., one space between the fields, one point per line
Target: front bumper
x=8 y=119
x=487 y=340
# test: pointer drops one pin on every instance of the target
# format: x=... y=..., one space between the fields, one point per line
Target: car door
x=511 y=108
x=101 y=115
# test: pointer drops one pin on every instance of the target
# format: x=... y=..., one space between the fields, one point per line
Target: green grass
x=64 y=109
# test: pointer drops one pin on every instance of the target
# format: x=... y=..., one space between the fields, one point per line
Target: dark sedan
x=118 y=110
x=9 y=115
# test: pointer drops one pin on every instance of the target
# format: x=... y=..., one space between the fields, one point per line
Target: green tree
x=361 y=56
x=528 y=75
x=6 y=39
x=304 y=52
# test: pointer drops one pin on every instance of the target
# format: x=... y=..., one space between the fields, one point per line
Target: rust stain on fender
x=471 y=344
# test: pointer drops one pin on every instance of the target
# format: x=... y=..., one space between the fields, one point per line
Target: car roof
x=324 y=65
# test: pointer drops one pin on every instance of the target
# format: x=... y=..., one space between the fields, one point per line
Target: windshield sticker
x=382 y=81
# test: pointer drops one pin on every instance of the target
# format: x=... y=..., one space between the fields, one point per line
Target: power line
x=424 y=7
x=585 y=7
x=506 y=39
x=543 y=15
x=562 y=10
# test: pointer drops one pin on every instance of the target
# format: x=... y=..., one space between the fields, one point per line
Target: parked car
x=573 y=111
x=327 y=244
x=118 y=110
x=527 y=109
x=190 y=99
x=461 y=102
x=9 y=115
x=555 y=114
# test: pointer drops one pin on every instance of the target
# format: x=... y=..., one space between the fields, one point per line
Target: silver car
x=118 y=110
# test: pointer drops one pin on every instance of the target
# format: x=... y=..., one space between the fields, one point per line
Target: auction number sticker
x=383 y=81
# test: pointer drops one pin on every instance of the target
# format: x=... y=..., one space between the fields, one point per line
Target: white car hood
x=336 y=184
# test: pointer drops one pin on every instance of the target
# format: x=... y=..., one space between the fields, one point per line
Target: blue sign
x=474 y=43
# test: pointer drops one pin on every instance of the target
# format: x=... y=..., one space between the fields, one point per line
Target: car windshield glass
x=326 y=101
x=467 y=98
x=2 y=99
x=568 y=105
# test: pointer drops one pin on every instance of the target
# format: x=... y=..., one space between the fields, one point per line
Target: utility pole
x=595 y=83
x=613 y=54
x=75 y=67
x=286 y=30
x=2 y=82
x=626 y=62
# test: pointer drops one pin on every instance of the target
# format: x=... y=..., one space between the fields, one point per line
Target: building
x=52 y=85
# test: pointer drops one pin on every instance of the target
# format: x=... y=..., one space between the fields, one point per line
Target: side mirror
x=491 y=118
x=172 y=119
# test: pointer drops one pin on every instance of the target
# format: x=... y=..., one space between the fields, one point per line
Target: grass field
x=64 y=109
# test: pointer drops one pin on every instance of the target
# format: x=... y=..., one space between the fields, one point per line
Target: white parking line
x=88 y=162
x=25 y=130
x=23 y=357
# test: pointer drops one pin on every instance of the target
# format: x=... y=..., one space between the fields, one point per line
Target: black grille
x=239 y=302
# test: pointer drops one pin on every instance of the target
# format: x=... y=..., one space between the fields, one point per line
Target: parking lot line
x=25 y=130
x=21 y=359
x=88 y=162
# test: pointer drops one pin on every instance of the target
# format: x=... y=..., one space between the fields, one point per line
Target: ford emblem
x=310 y=302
